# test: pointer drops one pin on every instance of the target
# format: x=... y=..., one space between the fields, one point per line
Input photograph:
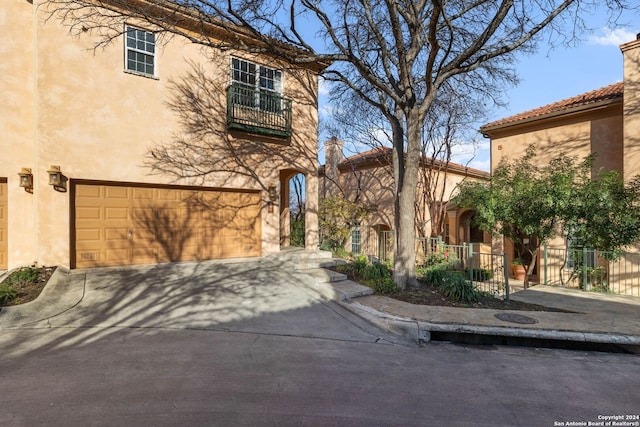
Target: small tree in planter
x=524 y=201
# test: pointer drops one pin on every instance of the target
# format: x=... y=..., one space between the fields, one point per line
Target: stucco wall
x=579 y=135
x=631 y=52
x=374 y=184
x=64 y=103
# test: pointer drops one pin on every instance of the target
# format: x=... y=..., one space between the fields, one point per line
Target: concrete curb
x=40 y=309
x=421 y=330
x=540 y=334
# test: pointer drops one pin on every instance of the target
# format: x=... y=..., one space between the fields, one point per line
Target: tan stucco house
x=368 y=178
x=99 y=146
x=604 y=121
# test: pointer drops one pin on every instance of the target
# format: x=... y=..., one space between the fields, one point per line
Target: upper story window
x=256 y=86
x=254 y=100
x=258 y=76
x=140 y=50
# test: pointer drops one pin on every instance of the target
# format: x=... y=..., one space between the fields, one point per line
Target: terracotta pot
x=519 y=272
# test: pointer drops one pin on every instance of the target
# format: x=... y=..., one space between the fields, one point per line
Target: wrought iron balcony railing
x=258 y=111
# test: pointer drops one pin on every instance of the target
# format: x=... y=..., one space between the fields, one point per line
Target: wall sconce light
x=26 y=179
x=273 y=194
x=57 y=179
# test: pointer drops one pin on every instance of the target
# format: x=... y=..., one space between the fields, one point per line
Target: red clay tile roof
x=383 y=155
x=377 y=153
x=607 y=93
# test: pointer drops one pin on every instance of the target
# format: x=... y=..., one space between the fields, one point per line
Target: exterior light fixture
x=55 y=176
x=26 y=179
x=57 y=179
x=273 y=194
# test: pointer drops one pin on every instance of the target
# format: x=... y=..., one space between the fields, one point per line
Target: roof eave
x=486 y=131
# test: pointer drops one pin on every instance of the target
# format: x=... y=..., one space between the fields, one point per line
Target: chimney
x=333 y=156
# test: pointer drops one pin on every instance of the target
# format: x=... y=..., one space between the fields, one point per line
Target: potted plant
x=518 y=268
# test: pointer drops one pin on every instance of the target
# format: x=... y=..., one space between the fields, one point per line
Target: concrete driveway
x=252 y=296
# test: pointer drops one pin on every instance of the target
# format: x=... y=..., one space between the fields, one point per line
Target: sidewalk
x=598 y=318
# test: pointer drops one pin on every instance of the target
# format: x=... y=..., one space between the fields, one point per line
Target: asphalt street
x=240 y=344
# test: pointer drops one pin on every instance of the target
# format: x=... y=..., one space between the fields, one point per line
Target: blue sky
x=552 y=75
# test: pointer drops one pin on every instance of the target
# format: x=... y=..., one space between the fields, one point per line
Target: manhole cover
x=516 y=318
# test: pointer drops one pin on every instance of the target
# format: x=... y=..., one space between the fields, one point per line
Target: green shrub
x=479 y=274
x=376 y=271
x=452 y=283
x=375 y=275
x=436 y=275
x=442 y=258
x=385 y=286
x=360 y=264
x=24 y=275
x=7 y=293
x=456 y=287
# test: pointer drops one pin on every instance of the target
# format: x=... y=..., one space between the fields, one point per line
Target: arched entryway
x=298 y=209
x=468 y=232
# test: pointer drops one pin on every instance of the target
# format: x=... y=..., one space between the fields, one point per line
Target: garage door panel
x=168 y=194
x=145 y=255
x=115 y=193
x=164 y=224
x=89 y=235
x=89 y=213
x=117 y=257
x=142 y=193
x=116 y=213
x=117 y=236
x=89 y=191
x=90 y=258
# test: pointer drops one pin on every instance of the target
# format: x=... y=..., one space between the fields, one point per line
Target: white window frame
x=257 y=86
x=136 y=50
x=356 y=241
x=278 y=88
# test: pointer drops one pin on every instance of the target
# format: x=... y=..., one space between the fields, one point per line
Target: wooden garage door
x=3 y=224
x=120 y=225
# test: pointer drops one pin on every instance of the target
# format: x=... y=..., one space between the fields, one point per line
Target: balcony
x=258 y=111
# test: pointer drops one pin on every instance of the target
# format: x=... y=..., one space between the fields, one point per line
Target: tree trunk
x=531 y=267
x=406 y=174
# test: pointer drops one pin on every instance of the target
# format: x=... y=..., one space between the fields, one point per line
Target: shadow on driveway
x=257 y=296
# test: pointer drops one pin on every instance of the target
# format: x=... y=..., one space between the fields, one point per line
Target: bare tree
x=395 y=54
x=449 y=127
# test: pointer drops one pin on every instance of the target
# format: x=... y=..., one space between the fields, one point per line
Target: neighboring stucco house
x=79 y=185
x=368 y=177
x=604 y=121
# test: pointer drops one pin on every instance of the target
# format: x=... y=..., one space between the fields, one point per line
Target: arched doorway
x=468 y=232
x=293 y=193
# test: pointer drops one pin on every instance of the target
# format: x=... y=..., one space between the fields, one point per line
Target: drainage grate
x=516 y=318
